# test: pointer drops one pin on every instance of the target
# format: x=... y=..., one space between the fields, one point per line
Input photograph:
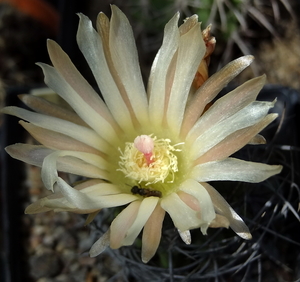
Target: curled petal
x=49 y=167
x=84 y=201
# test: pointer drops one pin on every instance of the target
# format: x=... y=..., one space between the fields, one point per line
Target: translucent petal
x=31 y=154
x=100 y=245
x=234 y=170
x=224 y=209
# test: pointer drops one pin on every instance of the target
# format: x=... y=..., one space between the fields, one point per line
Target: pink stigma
x=145 y=145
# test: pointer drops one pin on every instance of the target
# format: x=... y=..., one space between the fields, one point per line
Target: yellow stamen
x=156 y=165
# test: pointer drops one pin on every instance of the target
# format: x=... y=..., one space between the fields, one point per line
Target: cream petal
x=75 y=131
x=185 y=236
x=91 y=46
x=83 y=201
x=188 y=23
x=83 y=90
x=55 y=202
x=87 y=183
x=49 y=168
x=207 y=213
x=152 y=233
x=124 y=57
x=81 y=106
x=100 y=245
x=35 y=208
x=191 y=50
x=184 y=220
x=43 y=106
x=78 y=167
x=234 y=170
x=210 y=89
x=246 y=117
x=57 y=141
x=159 y=71
x=227 y=106
x=91 y=217
x=145 y=210
x=190 y=200
x=101 y=189
x=259 y=139
x=236 y=141
x=59 y=203
x=224 y=209
x=219 y=222
x=122 y=223
x=31 y=154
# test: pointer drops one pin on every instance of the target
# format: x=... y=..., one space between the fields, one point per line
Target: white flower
x=151 y=151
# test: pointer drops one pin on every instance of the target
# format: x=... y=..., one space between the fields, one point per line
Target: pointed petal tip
x=245 y=235
x=244 y=61
x=185 y=236
x=100 y=245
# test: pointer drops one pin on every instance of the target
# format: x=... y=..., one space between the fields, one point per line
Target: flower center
x=149 y=160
